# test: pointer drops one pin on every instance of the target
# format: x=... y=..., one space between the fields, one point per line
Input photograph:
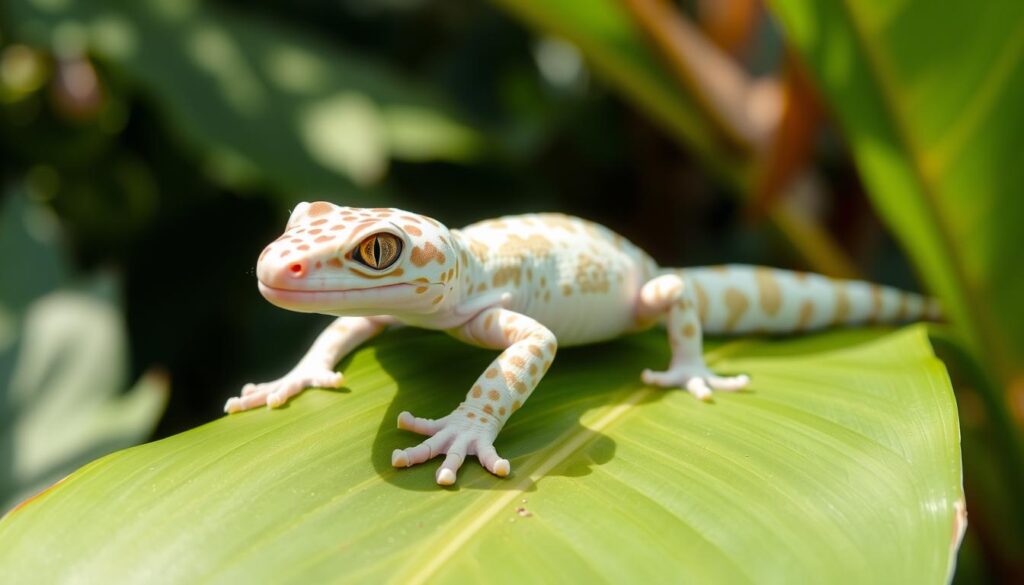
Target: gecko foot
x=274 y=394
x=456 y=436
x=696 y=379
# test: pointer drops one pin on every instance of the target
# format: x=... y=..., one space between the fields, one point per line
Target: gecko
x=525 y=285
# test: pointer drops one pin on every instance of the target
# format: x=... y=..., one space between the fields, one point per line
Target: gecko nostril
x=298 y=269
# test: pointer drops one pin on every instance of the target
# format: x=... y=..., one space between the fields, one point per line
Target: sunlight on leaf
x=345 y=133
x=840 y=465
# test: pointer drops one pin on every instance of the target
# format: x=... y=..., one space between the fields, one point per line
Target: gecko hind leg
x=673 y=295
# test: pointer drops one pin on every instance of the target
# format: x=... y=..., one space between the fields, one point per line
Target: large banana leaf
x=264 y=102
x=929 y=97
x=841 y=464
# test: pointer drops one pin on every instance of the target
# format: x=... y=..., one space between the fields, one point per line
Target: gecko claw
x=399 y=458
x=445 y=476
x=233 y=405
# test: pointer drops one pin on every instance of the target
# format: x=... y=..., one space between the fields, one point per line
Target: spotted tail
x=752 y=299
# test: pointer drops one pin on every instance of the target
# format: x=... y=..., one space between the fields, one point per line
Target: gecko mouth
x=373 y=297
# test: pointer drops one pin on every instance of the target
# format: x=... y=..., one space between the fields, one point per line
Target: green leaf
x=264 y=102
x=841 y=464
x=929 y=99
x=614 y=46
x=62 y=364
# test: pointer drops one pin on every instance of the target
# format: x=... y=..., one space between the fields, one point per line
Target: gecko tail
x=752 y=299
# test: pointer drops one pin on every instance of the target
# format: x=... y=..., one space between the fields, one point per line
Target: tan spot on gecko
x=517 y=361
x=476 y=392
x=488 y=409
x=769 y=292
x=360 y=227
x=521 y=387
x=842 y=312
x=876 y=304
x=507 y=274
x=702 y=301
x=491 y=372
x=535 y=350
x=689 y=330
x=501 y=411
x=422 y=256
x=903 y=312
x=319 y=208
x=736 y=303
x=493 y=395
x=536 y=246
x=334 y=263
x=806 y=313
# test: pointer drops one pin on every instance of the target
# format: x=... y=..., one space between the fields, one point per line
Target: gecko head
x=355 y=261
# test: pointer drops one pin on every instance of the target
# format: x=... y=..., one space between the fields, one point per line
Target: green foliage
x=841 y=464
x=929 y=100
x=62 y=363
x=266 y=103
x=603 y=31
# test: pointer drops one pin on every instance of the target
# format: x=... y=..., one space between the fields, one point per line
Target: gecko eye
x=379 y=251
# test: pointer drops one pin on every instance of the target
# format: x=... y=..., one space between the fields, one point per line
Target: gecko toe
x=423 y=426
x=232 y=405
x=699 y=388
x=399 y=458
x=728 y=383
x=489 y=458
x=445 y=476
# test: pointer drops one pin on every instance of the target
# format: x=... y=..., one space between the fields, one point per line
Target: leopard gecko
x=524 y=285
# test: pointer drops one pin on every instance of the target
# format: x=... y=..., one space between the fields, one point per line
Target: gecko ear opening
x=379 y=251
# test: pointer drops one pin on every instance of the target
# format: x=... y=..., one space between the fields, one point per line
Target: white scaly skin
x=525 y=285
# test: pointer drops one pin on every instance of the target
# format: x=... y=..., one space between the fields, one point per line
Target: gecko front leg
x=673 y=295
x=316 y=368
x=470 y=429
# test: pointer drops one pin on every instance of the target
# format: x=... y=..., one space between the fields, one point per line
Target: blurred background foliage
x=149 y=149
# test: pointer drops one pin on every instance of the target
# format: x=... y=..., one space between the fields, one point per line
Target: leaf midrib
x=471 y=521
